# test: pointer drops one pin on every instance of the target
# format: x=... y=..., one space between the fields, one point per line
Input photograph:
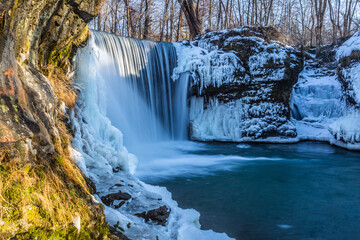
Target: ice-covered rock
x=325 y=102
x=317 y=101
x=346 y=130
x=241 y=84
x=349 y=48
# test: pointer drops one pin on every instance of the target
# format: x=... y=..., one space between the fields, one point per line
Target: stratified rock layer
x=43 y=194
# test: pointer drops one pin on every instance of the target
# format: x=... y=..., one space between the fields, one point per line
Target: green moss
x=14 y=193
x=59 y=160
x=83 y=36
x=21 y=148
x=58 y=57
x=40 y=172
x=3 y=106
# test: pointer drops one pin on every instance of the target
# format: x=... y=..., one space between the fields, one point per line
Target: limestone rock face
x=251 y=101
x=37 y=39
x=38 y=180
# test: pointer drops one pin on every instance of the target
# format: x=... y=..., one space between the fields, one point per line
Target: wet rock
x=159 y=215
x=110 y=198
x=119 y=205
x=117 y=235
x=37 y=41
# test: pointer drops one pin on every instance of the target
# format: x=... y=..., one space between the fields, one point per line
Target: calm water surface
x=267 y=191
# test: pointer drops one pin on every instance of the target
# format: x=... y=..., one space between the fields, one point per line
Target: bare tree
x=188 y=7
x=305 y=22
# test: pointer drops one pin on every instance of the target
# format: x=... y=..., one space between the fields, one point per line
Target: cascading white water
x=126 y=88
x=142 y=100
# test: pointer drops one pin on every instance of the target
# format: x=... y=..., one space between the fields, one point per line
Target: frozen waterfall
x=128 y=100
x=142 y=101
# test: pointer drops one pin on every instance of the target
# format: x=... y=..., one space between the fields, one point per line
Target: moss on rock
x=41 y=188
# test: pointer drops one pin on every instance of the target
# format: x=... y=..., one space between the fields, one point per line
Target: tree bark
x=188 y=7
x=179 y=26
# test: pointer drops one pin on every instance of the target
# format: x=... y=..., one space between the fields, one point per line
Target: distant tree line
x=305 y=22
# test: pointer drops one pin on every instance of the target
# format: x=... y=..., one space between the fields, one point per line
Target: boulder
x=159 y=215
x=110 y=198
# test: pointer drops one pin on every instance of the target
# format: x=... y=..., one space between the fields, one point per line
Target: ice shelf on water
x=108 y=68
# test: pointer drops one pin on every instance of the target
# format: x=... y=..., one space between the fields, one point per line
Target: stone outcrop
x=346 y=130
x=42 y=192
x=254 y=98
x=110 y=198
x=348 y=68
x=158 y=216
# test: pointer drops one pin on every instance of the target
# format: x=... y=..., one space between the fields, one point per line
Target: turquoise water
x=267 y=191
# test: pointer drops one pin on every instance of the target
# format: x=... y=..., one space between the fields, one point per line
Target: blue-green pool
x=265 y=191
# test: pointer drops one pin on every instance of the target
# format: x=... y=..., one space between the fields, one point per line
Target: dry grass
x=39 y=193
x=42 y=191
x=62 y=87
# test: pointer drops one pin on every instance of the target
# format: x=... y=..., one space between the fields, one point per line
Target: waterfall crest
x=128 y=98
x=142 y=100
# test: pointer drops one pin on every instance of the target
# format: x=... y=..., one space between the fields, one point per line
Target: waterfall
x=128 y=98
x=142 y=100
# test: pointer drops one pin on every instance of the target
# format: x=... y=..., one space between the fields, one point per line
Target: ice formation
x=325 y=102
x=108 y=67
x=317 y=101
x=238 y=94
x=206 y=67
x=235 y=80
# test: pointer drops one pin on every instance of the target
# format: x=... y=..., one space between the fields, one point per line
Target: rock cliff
x=42 y=193
x=242 y=92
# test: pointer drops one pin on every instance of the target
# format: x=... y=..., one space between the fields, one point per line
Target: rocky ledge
x=241 y=84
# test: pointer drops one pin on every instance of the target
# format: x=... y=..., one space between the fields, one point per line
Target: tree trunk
x=194 y=23
x=128 y=13
x=147 y=20
x=179 y=26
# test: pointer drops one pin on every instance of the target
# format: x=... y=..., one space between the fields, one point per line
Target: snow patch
x=352 y=44
x=206 y=67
